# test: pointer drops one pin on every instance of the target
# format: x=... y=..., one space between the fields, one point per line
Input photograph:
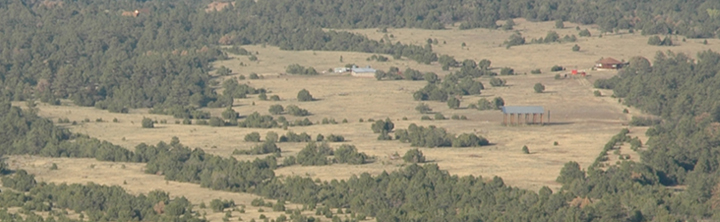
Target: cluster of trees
x=300 y=70
x=432 y=136
x=290 y=109
x=315 y=154
x=233 y=89
x=485 y=104
x=468 y=67
x=263 y=148
x=553 y=36
x=290 y=136
x=655 y=40
x=450 y=86
x=394 y=73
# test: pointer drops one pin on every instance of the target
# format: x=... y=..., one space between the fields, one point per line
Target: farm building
x=363 y=72
x=608 y=63
x=516 y=112
x=341 y=70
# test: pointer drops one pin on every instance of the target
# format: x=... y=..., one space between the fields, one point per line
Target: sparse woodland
x=86 y=52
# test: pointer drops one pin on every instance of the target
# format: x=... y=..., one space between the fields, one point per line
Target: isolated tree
x=551 y=36
x=148 y=123
x=515 y=39
x=496 y=82
x=576 y=48
x=484 y=104
x=381 y=126
x=525 y=150
x=539 y=87
x=229 y=114
x=498 y=102
x=276 y=109
x=585 y=33
x=252 y=137
x=559 y=24
x=423 y=108
x=453 y=103
x=304 y=96
x=507 y=71
x=414 y=156
x=484 y=64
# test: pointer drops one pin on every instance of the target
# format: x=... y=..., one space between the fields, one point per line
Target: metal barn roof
x=363 y=70
x=523 y=109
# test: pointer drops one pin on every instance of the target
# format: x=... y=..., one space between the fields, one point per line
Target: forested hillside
x=686 y=147
x=88 y=52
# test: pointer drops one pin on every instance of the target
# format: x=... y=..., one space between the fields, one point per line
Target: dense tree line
x=432 y=136
x=98 y=202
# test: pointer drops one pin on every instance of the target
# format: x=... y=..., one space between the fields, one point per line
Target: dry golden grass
x=131 y=177
x=487 y=44
x=581 y=122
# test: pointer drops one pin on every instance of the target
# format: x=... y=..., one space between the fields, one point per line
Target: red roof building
x=608 y=63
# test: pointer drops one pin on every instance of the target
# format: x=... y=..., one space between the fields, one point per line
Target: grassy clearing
x=581 y=122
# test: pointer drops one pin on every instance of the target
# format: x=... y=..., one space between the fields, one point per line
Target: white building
x=363 y=72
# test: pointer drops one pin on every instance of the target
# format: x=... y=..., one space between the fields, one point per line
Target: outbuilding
x=523 y=115
x=608 y=63
x=363 y=72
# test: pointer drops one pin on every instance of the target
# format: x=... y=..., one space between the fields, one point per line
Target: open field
x=487 y=44
x=580 y=122
x=131 y=177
